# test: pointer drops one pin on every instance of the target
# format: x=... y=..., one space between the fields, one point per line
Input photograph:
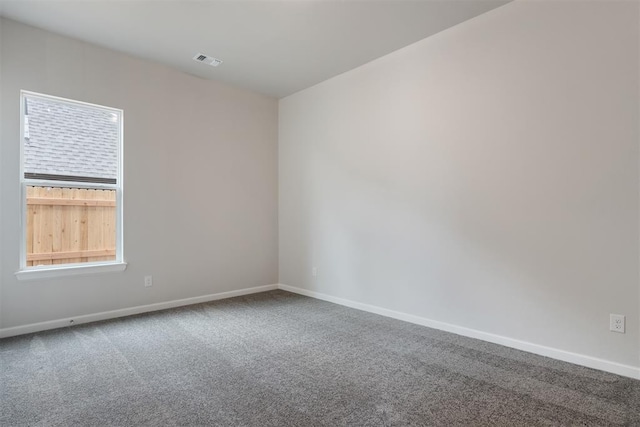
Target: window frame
x=49 y=271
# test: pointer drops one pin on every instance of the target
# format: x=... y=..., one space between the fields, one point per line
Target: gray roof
x=67 y=139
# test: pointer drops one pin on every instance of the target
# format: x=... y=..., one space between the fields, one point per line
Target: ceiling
x=276 y=47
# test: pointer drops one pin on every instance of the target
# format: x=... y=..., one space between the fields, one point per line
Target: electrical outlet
x=148 y=281
x=616 y=323
x=314 y=271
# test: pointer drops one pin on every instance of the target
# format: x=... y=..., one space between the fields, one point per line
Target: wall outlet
x=616 y=323
x=148 y=281
x=314 y=271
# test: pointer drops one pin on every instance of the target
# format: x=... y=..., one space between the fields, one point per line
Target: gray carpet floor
x=280 y=359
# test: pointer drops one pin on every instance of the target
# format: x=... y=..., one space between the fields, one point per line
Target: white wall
x=200 y=176
x=1 y=186
x=486 y=177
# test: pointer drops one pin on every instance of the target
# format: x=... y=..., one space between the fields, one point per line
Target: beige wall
x=200 y=176
x=486 y=177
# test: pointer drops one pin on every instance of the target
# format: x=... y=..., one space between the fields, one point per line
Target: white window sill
x=47 y=272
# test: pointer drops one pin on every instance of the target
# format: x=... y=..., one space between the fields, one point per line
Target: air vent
x=209 y=60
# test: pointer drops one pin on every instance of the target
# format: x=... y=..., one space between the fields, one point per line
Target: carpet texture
x=280 y=359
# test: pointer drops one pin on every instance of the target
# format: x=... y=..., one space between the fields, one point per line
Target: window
x=71 y=177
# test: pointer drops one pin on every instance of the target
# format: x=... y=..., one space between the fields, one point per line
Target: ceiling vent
x=209 y=60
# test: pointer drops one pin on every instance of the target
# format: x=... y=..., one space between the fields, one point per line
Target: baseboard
x=59 y=323
x=566 y=356
x=554 y=353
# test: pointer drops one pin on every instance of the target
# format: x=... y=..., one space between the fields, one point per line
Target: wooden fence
x=69 y=225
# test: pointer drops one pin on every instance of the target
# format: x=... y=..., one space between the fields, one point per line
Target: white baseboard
x=566 y=356
x=554 y=353
x=59 y=323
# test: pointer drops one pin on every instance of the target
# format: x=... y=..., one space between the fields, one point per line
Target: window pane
x=70 y=225
x=70 y=142
x=67 y=141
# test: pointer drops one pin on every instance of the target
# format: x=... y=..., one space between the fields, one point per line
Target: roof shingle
x=67 y=139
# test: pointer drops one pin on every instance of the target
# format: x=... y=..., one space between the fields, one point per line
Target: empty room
x=319 y=213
